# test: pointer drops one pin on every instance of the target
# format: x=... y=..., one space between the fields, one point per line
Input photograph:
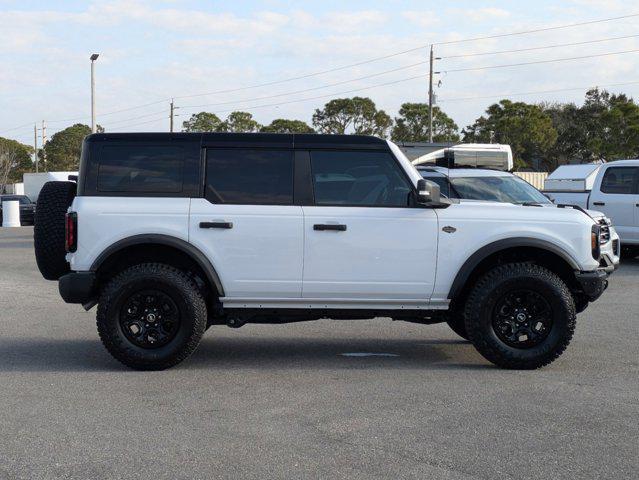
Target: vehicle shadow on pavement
x=330 y=353
x=59 y=355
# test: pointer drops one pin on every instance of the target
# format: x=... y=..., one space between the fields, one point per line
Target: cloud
x=481 y=14
x=421 y=18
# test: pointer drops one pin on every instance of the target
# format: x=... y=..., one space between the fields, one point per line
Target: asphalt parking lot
x=285 y=402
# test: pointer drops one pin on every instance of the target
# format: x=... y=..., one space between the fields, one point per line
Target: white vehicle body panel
x=261 y=256
x=385 y=253
x=479 y=224
x=103 y=221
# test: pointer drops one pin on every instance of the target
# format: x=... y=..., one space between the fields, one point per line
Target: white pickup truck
x=612 y=188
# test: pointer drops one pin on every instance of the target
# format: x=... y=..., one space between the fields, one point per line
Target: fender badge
x=449 y=229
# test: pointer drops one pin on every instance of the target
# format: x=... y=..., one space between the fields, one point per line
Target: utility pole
x=44 y=140
x=93 y=58
x=35 y=146
x=430 y=97
x=172 y=115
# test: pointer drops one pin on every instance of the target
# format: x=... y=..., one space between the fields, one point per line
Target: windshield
x=506 y=189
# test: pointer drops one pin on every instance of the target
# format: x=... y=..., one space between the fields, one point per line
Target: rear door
x=617 y=196
x=362 y=240
x=247 y=223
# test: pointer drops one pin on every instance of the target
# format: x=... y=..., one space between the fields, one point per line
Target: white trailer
x=33 y=182
x=471 y=155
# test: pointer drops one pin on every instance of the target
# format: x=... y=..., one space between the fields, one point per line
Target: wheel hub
x=522 y=318
x=150 y=319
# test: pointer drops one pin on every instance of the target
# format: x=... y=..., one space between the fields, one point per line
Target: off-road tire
x=170 y=281
x=629 y=252
x=494 y=285
x=456 y=322
x=49 y=224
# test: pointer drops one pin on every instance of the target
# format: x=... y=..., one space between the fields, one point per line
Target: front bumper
x=593 y=284
x=78 y=287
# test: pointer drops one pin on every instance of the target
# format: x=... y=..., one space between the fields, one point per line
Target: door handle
x=216 y=224
x=329 y=226
x=599 y=204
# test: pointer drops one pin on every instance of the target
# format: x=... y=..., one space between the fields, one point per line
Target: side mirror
x=428 y=193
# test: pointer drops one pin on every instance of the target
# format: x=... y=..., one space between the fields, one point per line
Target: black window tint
x=141 y=168
x=249 y=176
x=620 y=180
x=358 y=178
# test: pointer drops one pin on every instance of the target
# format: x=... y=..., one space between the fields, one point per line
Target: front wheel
x=520 y=316
x=151 y=316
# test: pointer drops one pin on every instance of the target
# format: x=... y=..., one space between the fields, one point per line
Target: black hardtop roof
x=281 y=140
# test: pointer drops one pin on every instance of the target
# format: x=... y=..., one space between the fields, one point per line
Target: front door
x=362 y=240
x=247 y=224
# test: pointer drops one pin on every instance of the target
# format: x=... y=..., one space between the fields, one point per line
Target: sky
x=214 y=55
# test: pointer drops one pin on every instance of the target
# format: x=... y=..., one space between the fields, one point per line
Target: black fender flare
x=169 y=241
x=476 y=258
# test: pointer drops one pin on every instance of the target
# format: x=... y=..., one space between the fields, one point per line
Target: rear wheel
x=629 y=251
x=151 y=316
x=520 y=316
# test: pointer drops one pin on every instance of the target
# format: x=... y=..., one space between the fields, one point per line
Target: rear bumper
x=594 y=283
x=78 y=287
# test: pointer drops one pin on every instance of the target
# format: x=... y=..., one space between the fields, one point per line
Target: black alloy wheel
x=150 y=318
x=522 y=318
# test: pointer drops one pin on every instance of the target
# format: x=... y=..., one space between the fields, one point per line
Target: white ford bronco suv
x=172 y=233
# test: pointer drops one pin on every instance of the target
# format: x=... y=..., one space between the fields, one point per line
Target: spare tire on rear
x=48 y=232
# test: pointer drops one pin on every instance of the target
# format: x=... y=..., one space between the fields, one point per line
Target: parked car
x=172 y=233
x=614 y=191
x=27 y=208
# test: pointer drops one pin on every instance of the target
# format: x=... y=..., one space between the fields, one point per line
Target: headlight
x=595 y=241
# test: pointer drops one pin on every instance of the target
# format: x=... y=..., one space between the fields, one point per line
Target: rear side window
x=141 y=169
x=249 y=176
x=358 y=178
x=620 y=180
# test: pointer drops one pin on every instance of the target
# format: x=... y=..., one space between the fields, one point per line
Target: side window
x=249 y=176
x=140 y=169
x=358 y=178
x=620 y=180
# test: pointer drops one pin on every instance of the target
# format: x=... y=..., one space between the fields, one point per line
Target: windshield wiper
x=530 y=204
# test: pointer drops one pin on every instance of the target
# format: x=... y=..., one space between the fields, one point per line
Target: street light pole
x=430 y=98
x=93 y=58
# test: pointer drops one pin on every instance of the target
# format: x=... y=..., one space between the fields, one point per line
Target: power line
x=557 y=90
x=537 y=30
x=285 y=94
x=344 y=67
x=488 y=67
x=466 y=55
x=330 y=94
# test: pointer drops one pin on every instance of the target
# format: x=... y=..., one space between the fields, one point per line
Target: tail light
x=71 y=232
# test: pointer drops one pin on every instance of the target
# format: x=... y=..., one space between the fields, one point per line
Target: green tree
x=357 y=114
x=202 y=122
x=605 y=127
x=239 y=122
x=62 y=151
x=526 y=128
x=15 y=160
x=282 y=125
x=412 y=125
